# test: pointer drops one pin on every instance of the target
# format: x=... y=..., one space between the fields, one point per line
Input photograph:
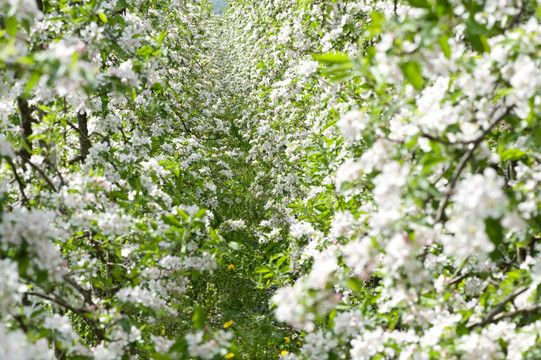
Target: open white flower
x=352 y=124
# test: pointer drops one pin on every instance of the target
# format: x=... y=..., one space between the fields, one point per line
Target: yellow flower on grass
x=163 y=331
x=228 y=324
x=229 y=355
x=287 y=339
x=284 y=353
x=231 y=267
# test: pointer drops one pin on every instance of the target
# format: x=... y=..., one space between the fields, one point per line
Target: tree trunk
x=26 y=125
x=84 y=141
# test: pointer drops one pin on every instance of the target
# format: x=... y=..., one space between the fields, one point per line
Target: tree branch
x=498 y=309
x=511 y=314
x=25 y=201
x=463 y=161
x=84 y=141
x=100 y=335
x=43 y=175
x=26 y=125
x=87 y=294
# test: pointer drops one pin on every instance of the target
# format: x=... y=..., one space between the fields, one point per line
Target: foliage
x=293 y=178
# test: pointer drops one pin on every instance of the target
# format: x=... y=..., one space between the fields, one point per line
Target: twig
x=57 y=300
x=515 y=18
x=21 y=322
x=436 y=139
x=26 y=123
x=100 y=335
x=510 y=314
x=458 y=279
x=463 y=161
x=84 y=141
x=87 y=294
x=43 y=175
x=25 y=201
x=498 y=309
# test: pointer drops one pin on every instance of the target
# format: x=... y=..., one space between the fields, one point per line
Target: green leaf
x=513 y=276
x=180 y=348
x=431 y=159
x=356 y=285
x=412 y=72
x=234 y=245
x=263 y=270
x=25 y=23
x=183 y=214
x=119 y=195
x=200 y=214
x=461 y=329
x=158 y=356
x=125 y=323
x=512 y=154
x=23 y=262
x=419 y=3
x=42 y=277
x=444 y=44
x=494 y=230
x=473 y=27
x=213 y=235
x=102 y=17
x=199 y=318
x=281 y=261
x=171 y=220
x=145 y=51
x=11 y=26
x=90 y=78
x=332 y=58
x=332 y=315
x=378 y=21
x=162 y=36
x=477 y=34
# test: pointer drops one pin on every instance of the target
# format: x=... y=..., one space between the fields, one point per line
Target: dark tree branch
x=87 y=294
x=514 y=21
x=43 y=175
x=490 y=317
x=436 y=139
x=26 y=124
x=92 y=323
x=84 y=141
x=458 y=279
x=25 y=201
x=464 y=160
x=21 y=322
x=511 y=314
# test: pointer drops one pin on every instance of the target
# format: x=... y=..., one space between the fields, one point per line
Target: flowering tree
x=413 y=231
x=103 y=235
x=367 y=170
